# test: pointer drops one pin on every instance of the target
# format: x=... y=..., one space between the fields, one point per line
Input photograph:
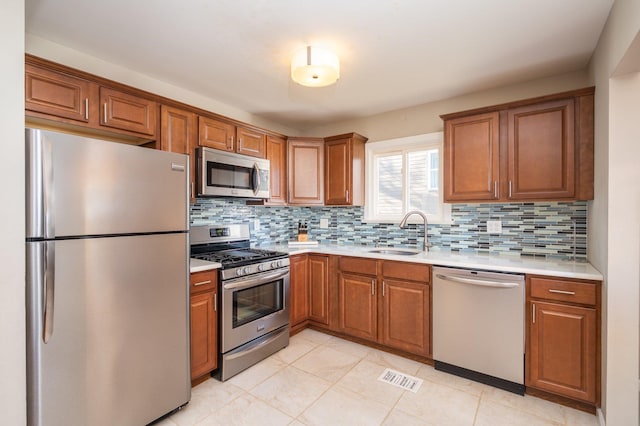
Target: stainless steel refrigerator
x=107 y=281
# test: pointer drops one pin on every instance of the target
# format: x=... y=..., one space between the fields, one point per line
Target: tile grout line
x=329 y=388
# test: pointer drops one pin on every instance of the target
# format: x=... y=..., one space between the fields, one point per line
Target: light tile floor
x=323 y=380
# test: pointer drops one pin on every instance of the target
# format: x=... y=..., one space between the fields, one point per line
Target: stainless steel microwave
x=226 y=174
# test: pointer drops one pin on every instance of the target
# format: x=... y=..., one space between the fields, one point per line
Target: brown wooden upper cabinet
x=533 y=150
x=472 y=158
x=57 y=94
x=226 y=136
x=305 y=161
x=344 y=170
x=124 y=111
x=179 y=133
x=277 y=156
x=54 y=95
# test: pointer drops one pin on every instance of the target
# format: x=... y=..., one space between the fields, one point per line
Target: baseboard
x=600 y=415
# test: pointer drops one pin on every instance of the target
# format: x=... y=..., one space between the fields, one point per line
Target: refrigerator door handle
x=40 y=200
x=48 y=290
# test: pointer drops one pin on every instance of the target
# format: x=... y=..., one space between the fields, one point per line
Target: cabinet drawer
x=203 y=281
x=406 y=271
x=358 y=265
x=562 y=290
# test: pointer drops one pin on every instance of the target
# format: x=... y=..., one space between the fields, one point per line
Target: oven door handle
x=251 y=282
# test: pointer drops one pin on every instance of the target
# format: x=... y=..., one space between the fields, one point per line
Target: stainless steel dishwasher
x=478 y=326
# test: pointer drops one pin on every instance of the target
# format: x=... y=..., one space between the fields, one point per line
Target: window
x=405 y=174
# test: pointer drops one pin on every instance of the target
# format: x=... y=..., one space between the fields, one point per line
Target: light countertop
x=197 y=265
x=492 y=262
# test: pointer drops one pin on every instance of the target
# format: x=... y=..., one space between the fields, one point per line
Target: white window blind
x=403 y=175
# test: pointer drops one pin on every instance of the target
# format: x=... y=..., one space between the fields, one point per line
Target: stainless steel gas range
x=254 y=289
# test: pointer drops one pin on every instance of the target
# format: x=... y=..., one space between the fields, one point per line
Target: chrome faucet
x=403 y=223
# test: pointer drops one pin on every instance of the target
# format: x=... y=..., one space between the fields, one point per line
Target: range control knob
x=261 y=267
x=274 y=264
x=239 y=271
x=247 y=270
x=279 y=263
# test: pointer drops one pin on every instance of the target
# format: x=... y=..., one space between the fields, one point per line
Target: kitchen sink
x=394 y=251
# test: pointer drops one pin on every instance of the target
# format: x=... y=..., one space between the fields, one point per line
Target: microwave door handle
x=256 y=179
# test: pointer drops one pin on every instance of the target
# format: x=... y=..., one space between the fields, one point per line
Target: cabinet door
x=357 y=306
x=204 y=323
x=472 y=158
x=299 y=289
x=128 y=112
x=216 y=134
x=56 y=94
x=542 y=151
x=319 y=288
x=277 y=156
x=251 y=142
x=306 y=171
x=338 y=178
x=405 y=306
x=562 y=347
x=178 y=134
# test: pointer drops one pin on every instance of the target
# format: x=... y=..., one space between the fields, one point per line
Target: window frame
x=403 y=146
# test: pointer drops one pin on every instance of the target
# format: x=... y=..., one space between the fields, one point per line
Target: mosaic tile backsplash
x=554 y=230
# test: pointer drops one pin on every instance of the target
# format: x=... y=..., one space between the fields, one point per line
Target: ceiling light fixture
x=315 y=67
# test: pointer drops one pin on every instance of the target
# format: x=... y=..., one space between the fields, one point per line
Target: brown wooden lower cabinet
x=309 y=290
x=298 y=289
x=563 y=342
x=358 y=312
x=204 y=323
x=319 y=288
x=406 y=316
x=390 y=307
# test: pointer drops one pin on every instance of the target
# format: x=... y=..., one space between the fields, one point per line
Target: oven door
x=227 y=174
x=253 y=306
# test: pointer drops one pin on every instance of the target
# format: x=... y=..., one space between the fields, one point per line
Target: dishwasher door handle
x=478 y=281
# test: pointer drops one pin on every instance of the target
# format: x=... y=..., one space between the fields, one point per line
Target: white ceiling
x=394 y=53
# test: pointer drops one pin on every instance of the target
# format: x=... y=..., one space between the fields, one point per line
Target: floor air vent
x=400 y=380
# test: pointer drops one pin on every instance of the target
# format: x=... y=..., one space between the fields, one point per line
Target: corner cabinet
x=563 y=343
x=533 y=150
x=305 y=162
x=204 y=323
x=344 y=170
x=309 y=291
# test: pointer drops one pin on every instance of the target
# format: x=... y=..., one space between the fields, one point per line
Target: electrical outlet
x=494 y=227
x=324 y=223
x=256 y=224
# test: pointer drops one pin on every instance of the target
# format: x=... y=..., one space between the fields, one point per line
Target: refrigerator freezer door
x=118 y=351
x=79 y=186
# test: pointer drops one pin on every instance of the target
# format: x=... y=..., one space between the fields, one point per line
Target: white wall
x=425 y=118
x=613 y=231
x=12 y=316
x=624 y=250
x=63 y=55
